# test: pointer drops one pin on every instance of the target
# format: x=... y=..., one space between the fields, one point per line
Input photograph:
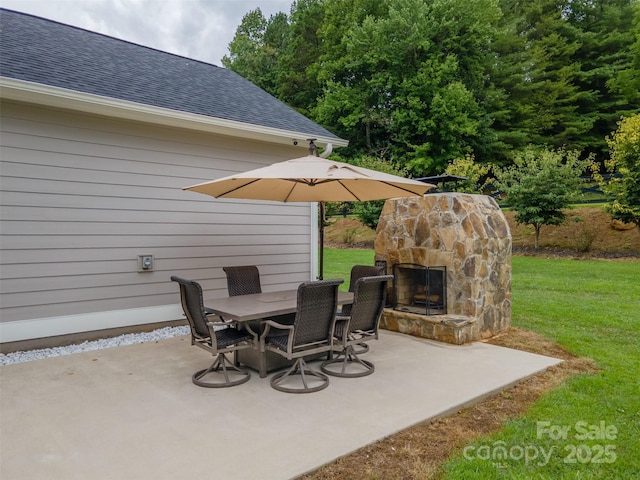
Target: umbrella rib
x=348 y=190
x=238 y=187
x=400 y=187
x=293 y=186
x=382 y=181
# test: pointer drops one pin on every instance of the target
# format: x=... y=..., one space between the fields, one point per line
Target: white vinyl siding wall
x=82 y=196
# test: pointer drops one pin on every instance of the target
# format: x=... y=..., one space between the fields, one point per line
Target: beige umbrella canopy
x=312 y=179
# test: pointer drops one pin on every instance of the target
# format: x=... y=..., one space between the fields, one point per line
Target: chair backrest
x=369 y=298
x=193 y=307
x=243 y=280
x=316 y=311
x=359 y=271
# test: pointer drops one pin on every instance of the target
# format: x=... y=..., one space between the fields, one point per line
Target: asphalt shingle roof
x=43 y=51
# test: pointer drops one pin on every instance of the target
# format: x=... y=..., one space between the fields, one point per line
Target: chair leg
x=364 y=348
x=221 y=363
x=300 y=368
x=347 y=358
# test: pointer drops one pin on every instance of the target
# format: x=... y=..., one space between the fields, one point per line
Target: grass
x=338 y=262
x=591 y=308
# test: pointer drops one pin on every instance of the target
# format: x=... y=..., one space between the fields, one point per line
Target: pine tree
x=606 y=52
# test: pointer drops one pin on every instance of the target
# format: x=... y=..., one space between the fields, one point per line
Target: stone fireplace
x=462 y=239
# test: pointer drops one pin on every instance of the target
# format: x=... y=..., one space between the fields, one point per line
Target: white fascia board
x=40 y=94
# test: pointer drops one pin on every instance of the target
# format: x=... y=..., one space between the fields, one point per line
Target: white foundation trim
x=52 y=326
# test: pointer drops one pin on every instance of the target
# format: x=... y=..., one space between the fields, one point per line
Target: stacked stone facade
x=470 y=236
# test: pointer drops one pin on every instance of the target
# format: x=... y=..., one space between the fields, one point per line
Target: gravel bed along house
x=126 y=339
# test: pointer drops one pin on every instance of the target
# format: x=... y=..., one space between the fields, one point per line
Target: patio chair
x=359 y=271
x=361 y=326
x=243 y=280
x=310 y=334
x=217 y=337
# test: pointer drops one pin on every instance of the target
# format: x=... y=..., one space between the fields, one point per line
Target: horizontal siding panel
x=206 y=205
x=79 y=282
x=52 y=305
x=235 y=254
x=236 y=214
x=112 y=228
x=76 y=278
x=137 y=204
x=117 y=292
x=64 y=155
x=148 y=241
x=86 y=294
x=168 y=188
x=165 y=142
x=36 y=164
x=43 y=276
x=29 y=311
x=55 y=123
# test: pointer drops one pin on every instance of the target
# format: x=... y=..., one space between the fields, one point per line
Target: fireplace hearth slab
x=454 y=329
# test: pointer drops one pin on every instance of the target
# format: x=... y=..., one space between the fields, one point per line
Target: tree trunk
x=537 y=243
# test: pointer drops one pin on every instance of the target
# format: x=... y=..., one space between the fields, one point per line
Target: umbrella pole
x=321 y=242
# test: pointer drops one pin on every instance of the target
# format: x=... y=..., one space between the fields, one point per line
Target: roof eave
x=37 y=93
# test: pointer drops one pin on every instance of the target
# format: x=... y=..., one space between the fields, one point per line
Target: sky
x=198 y=29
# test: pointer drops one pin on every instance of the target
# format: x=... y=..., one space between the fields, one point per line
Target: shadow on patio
x=132 y=411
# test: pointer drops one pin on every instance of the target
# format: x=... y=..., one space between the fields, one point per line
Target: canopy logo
x=591 y=450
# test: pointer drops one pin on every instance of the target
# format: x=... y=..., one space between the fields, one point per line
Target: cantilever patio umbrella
x=312 y=179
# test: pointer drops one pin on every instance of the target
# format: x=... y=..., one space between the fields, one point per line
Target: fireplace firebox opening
x=419 y=289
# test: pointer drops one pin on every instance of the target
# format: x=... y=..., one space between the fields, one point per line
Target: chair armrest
x=340 y=319
x=268 y=324
x=256 y=337
x=220 y=320
x=229 y=323
x=220 y=323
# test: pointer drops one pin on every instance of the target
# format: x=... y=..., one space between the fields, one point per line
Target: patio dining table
x=256 y=306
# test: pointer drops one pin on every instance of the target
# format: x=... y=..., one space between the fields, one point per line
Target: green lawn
x=590 y=426
x=338 y=263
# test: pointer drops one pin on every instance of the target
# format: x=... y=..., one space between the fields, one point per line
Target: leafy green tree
x=407 y=82
x=624 y=146
x=475 y=173
x=298 y=84
x=541 y=184
x=343 y=103
x=369 y=212
x=256 y=47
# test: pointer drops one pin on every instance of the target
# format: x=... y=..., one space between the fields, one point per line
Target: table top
x=258 y=305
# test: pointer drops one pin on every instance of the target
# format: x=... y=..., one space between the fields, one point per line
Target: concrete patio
x=132 y=412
